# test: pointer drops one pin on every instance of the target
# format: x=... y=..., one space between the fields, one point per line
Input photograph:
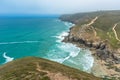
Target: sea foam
x=64 y=52
x=8 y=59
x=21 y=42
x=89 y=61
x=69 y=24
x=69 y=54
x=61 y=36
x=64 y=47
x=77 y=56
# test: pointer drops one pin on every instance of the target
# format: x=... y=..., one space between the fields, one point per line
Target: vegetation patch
x=27 y=69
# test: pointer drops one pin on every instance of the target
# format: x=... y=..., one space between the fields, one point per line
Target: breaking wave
x=69 y=24
x=7 y=58
x=4 y=43
x=61 y=36
x=70 y=53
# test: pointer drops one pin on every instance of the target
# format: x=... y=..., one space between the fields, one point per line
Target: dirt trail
x=92 y=21
x=52 y=76
x=38 y=68
x=116 y=36
x=95 y=33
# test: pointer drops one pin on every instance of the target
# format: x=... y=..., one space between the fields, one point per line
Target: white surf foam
x=8 y=59
x=61 y=36
x=89 y=61
x=57 y=60
x=61 y=60
x=64 y=52
x=86 y=60
x=74 y=56
x=4 y=43
x=70 y=48
x=83 y=61
x=65 y=47
x=69 y=24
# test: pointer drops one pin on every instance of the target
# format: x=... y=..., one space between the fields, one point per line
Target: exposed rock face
x=102 y=49
x=85 y=35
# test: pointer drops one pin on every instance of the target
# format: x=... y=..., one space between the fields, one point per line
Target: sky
x=39 y=7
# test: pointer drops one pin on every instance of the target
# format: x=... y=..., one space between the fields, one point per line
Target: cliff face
x=98 y=32
x=32 y=68
x=87 y=40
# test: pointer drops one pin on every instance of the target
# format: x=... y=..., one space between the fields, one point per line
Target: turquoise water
x=40 y=37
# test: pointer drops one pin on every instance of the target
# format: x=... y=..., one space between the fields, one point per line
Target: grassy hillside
x=103 y=25
x=32 y=68
x=118 y=30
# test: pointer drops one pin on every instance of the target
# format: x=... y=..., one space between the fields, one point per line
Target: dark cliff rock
x=103 y=52
x=94 y=31
x=84 y=35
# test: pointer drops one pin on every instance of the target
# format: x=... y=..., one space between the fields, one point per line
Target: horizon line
x=29 y=15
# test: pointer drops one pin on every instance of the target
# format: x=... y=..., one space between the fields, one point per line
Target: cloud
x=55 y=6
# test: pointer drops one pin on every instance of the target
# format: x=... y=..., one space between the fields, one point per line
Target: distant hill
x=32 y=68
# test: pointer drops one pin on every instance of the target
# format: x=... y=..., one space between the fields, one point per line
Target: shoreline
x=73 y=55
x=99 y=68
x=80 y=47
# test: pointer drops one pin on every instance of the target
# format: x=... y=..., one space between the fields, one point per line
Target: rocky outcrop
x=103 y=52
x=90 y=32
x=84 y=37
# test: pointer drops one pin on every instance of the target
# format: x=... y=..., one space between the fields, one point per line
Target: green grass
x=118 y=30
x=106 y=23
x=25 y=69
x=103 y=25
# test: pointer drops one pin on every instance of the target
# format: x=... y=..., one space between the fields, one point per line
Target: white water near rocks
x=50 y=45
x=69 y=54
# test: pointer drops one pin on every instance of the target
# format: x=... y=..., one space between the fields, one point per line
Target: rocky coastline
x=107 y=59
x=103 y=56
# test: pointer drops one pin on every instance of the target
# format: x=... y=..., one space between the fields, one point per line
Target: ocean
x=40 y=37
